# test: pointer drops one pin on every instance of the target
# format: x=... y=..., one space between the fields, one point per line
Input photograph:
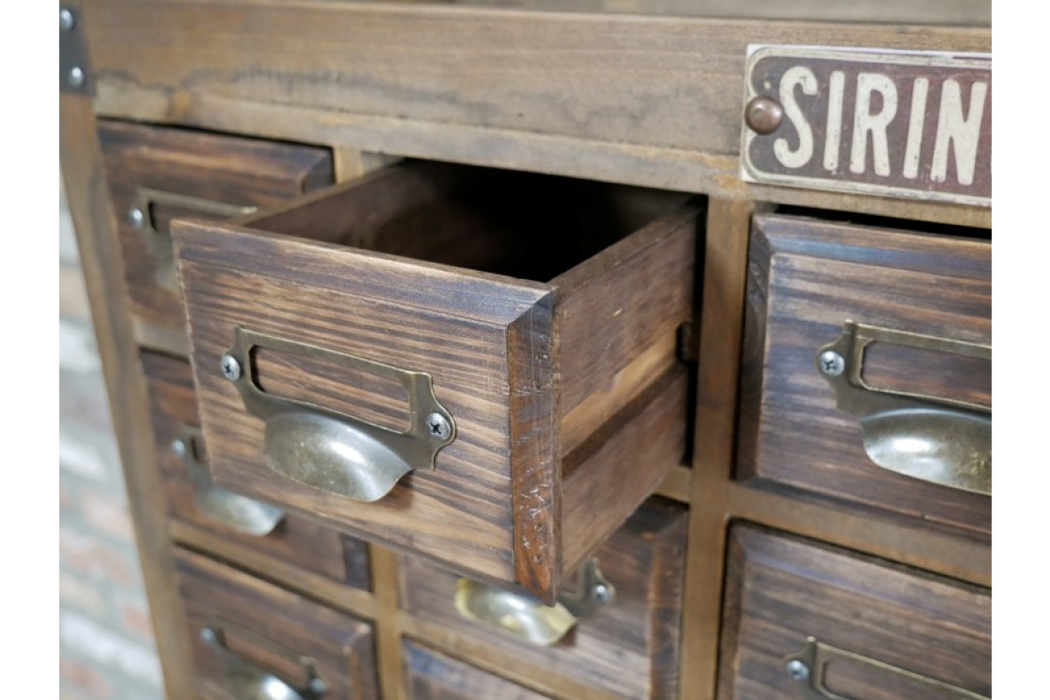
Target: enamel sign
x=916 y=125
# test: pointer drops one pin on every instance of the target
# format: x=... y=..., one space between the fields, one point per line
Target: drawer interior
x=520 y=225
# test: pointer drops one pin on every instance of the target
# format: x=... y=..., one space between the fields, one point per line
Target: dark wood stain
x=781 y=590
x=298 y=540
x=806 y=277
x=630 y=648
x=215 y=595
x=227 y=169
x=431 y=675
x=514 y=360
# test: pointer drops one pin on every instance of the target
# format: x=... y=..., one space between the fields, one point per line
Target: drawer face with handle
x=812 y=622
x=255 y=527
x=431 y=675
x=158 y=173
x=624 y=646
x=867 y=367
x=476 y=366
x=254 y=640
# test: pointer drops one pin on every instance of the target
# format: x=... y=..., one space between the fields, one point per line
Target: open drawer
x=475 y=366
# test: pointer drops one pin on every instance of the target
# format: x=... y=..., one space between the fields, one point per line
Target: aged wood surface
x=432 y=675
x=647 y=100
x=493 y=345
x=629 y=649
x=386 y=578
x=725 y=274
x=536 y=479
x=781 y=590
x=342 y=647
x=283 y=572
x=615 y=306
x=942 y=549
x=965 y=12
x=806 y=278
x=607 y=477
x=676 y=485
x=231 y=170
x=101 y=260
x=296 y=541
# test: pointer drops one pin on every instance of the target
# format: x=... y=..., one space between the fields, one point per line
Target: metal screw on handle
x=797 y=670
x=231 y=368
x=832 y=363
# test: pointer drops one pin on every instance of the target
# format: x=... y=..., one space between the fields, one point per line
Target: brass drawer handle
x=140 y=216
x=939 y=439
x=243 y=514
x=330 y=450
x=527 y=618
x=808 y=667
x=245 y=679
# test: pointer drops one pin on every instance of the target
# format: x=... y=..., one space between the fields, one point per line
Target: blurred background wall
x=106 y=646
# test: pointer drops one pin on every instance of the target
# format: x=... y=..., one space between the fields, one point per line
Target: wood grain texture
x=629 y=649
x=432 y=675
x=101 y=261
x=605 y=97
x=807 y=277
x=295 y=541
x=721 y=317
x=503 y=351
x=386 y=577
x=963 y=12
x=617 y=304
x=256 y=616
x=941 y=549
x=607 y=477
x=781 y=590
x=536 y=503
x=226 y=169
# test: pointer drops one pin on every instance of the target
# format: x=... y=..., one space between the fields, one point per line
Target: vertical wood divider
x=721 y=327
x=100 y=256
x=386 y=586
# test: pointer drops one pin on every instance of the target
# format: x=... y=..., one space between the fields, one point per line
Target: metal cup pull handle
x=935 y=438
x=527 y=618
x=240 y=513
x=330 y=450
x=807 y=668
x=245 y=680
x=140 y=216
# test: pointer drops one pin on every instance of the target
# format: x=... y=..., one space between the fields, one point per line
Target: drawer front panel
x=293 y=539
x=880 y=632
x=431 y=675
x=923 y=305
x=162 y=172
x=356 y=281
x=247 y=632
x=629 y=647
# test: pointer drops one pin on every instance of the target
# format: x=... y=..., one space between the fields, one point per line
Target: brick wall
x=106 y=646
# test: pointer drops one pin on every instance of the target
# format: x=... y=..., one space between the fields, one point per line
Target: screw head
x=76 y=76
x=231 y=368
x=178 y=446
x=602 y=593
x=797 y=670
x=318 y=686
x=66 y=20
x=136 y=217
x=832 y=363
x=438 y=426
x=208 y=636
x=763 y=115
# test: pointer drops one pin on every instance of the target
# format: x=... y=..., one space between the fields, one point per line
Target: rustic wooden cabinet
x=546 y=350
